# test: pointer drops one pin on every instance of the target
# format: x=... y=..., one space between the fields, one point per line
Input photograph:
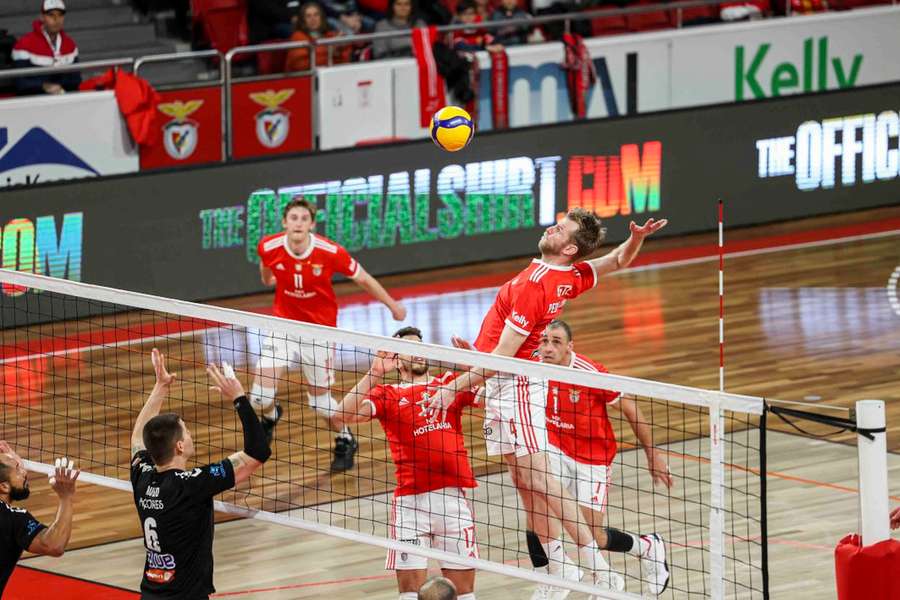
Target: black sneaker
x=268 y=424
x=344 y=450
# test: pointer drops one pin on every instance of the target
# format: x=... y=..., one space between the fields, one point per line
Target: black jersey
x=17 y=530
x=176 y=512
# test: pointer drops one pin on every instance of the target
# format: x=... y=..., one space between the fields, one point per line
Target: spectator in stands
x=311 y=27
x=269 y=20
x=474 y=39
x=510 y=35
x=401 y=16
x=47 y=46
x=483 y=9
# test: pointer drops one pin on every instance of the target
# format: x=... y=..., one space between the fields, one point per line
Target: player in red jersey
x=430 y=507
x=300 y=264
x=515 y=406
x=581 y=447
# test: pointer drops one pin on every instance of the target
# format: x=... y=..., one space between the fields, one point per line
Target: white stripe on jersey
x=538 y=273
x=323 y=245
x=580 y=363
x=275 y=242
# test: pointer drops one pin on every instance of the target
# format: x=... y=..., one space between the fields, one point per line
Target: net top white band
x=628 y=385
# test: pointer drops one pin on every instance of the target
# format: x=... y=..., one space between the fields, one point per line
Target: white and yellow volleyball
x=452 y=128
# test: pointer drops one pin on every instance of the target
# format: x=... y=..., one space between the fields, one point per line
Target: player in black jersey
x=18 y=529
x=174 y=503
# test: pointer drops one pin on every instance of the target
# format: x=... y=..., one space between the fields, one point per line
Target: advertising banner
x=192 y=233
x=362 y=98
x=47 y=138
x=192 y=135
x=655 y=71
x=271 y=117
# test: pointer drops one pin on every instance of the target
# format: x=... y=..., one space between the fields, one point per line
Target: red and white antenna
x=721 y=303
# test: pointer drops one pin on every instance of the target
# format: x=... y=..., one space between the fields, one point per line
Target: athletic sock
x=588 y=556
x=263 y=398
x=345 y=434
x=555 y=556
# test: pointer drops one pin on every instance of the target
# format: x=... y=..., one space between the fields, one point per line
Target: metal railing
x=227 y=138
x=74 y=67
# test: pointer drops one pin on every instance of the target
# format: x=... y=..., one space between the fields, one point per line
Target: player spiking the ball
x=430 y=507
x=300 y=264
x=515 y=406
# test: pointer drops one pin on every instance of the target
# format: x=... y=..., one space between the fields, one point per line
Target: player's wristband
x=255 y=445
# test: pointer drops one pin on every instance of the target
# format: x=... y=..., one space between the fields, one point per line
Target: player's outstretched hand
x=398 y=311
x=384 y=362
x=63 y=478
x=659 y=469
x=460 y=343
x=225 y=381
x=163 y=378
x=435 y=407
x=648 y=228
x=895 y=518
x=5 y=448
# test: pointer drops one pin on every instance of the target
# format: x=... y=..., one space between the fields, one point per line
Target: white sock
x=470 y=596
x=345 y=433
x=263 y=398
x=409 y=595
x=588 y=556
x=639 y=546
x=602 y=565
x=325 y=405
x=556 y=555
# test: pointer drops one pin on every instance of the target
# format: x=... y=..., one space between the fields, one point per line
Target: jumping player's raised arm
x=256 y=447
x=154 y=402
x=625 y=253
x=355 y=408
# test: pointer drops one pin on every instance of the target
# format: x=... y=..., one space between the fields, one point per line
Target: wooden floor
x=809 y=324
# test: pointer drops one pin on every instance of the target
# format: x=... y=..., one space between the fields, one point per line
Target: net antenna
x=717 y=444
x=76 y=372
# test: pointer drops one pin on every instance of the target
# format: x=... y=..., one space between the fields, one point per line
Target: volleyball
x=452 y=128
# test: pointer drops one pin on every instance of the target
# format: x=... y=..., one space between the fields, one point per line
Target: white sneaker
x=608 y=580
x=654 y=565
x=551 y=592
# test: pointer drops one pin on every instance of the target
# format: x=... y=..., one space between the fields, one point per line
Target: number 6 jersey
x=176 y=512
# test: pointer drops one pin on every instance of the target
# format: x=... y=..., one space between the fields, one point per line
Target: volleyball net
x=76 y=370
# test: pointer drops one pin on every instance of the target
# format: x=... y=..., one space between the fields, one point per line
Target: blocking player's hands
x=398 y=311
x=5 y=448
x=460 y=343
x=163 y=378
x=385 y=362
x=648 y=228
x=895 y=518
x=225 y=382
x=435 y=407
x=659 y=468
x=63 y=478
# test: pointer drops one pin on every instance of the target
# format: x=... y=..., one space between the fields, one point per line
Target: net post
x=716 y=502
x=871 y=442
x=764 y=510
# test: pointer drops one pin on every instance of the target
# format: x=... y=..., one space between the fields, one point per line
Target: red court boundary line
x=27 y=583
x=56 y=345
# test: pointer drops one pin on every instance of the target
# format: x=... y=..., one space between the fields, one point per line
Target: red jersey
x=303 y=289
x=427 y=456
x=532 y=299
x=577 y=422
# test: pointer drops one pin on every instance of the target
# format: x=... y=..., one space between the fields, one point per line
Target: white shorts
x=316 y=359
x=515 y=415
x=588 y=484
x=442 y=519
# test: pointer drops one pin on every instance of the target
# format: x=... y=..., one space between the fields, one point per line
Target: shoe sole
x=348 y=467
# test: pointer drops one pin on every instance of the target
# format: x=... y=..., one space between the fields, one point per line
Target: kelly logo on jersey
x=520 y=320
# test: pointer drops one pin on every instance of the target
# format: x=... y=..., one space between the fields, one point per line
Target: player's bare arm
x=656 y=462
x=266 y=275
x=510 y=342
x=52 y=540
x=371 y=285
x=625 y=253
x=256 y=448
x=353 y=408
x=154 y=402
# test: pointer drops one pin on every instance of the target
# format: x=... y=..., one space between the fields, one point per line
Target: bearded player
x=430 y=508
x=582 y=445
x=515 y=417
x=300 y=264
